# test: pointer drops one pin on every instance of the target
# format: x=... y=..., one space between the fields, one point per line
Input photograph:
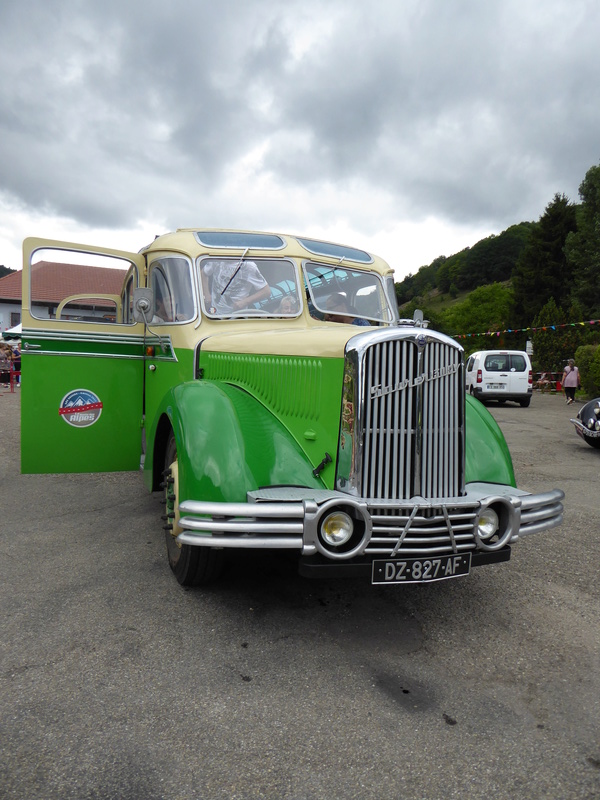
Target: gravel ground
x=115 y=683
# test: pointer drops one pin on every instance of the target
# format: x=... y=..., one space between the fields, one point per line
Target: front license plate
x=421 y=570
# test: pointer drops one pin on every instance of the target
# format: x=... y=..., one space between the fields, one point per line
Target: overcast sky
x=412 y=128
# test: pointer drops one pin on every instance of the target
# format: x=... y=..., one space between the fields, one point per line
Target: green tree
x=485 y=309
x=542 y=271
x=583 y=245
x=443 y=280
x=494 y=259
x=549 y=349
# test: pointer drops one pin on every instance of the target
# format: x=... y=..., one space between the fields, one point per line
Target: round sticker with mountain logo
x=80 y=408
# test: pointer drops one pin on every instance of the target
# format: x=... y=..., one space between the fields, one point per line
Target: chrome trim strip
x=247 y=510
x=233 y=526
x=246 y=542
x=68 y=336
x=107 y=340
x=82 y=354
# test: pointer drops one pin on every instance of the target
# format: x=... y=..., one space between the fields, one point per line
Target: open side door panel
x=82 y=358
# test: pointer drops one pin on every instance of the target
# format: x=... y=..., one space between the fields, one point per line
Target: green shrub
x=587 y=359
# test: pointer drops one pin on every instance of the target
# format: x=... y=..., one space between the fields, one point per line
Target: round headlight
x=337 y=528
x=488 y=523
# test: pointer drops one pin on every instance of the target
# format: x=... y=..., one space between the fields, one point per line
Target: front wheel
x=192 y=566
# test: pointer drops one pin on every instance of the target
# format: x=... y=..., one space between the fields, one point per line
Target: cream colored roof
x=184 y=240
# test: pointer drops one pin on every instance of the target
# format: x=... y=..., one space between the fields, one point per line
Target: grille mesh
x=413 y=421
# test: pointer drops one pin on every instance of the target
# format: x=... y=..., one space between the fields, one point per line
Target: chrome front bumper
x=290 y=517
x=584 y=431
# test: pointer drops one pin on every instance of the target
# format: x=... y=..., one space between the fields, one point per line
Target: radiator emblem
x=380 y=390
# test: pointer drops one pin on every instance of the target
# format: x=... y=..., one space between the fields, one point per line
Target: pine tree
x=583 y=246
x=541 y=272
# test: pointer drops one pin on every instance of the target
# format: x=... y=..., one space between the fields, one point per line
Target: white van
x=500 y=375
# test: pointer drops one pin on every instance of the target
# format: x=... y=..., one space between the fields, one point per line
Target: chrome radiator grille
x=405 y=421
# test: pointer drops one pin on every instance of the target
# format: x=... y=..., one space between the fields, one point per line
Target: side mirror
x=143 y=303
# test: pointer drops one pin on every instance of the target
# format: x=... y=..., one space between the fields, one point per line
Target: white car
x=500 y=375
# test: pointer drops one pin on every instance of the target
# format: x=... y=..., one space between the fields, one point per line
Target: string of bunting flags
x=528 y=330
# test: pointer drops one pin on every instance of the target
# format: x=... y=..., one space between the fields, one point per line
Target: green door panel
x=105 y=436
x=228 y=444
x=487 y=456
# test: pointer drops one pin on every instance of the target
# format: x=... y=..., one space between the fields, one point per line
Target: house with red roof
x=51 y=283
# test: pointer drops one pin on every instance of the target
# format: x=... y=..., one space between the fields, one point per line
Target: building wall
x=8 y=313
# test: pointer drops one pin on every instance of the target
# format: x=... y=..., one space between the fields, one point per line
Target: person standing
x=570 y=381
x=5 y=364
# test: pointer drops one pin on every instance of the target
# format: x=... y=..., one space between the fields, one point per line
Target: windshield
x=341 y=294
x=249 y=287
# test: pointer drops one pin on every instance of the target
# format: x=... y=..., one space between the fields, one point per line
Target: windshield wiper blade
x=237 y=269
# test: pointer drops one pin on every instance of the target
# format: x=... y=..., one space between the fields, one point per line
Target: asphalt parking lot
x=117 y=684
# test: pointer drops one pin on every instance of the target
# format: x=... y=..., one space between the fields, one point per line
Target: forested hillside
x=489 y=261
x=535 y=280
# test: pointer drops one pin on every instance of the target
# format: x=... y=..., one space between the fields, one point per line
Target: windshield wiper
x=237 y=269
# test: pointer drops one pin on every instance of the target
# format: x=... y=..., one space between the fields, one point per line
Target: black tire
x=525 y=402
x=192 y=566
x=592 y=441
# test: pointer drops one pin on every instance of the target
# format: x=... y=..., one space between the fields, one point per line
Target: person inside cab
x=162 y=311
x=338 y=310
x=229 y=286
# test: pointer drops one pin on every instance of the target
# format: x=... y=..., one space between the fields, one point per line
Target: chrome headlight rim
x=359 y=538
x=507 y=516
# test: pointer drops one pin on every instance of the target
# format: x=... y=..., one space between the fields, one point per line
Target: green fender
x=488 y=458
x=227 y=442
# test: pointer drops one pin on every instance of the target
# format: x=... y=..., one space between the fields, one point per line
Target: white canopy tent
x=13 y=333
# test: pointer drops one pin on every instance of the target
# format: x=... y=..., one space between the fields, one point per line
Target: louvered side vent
x=413 y=426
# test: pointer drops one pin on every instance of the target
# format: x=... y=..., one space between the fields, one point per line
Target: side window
x=73 y=286
x=470 y=363
x=171 y=282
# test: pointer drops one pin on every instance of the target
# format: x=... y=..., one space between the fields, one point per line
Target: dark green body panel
x=303 y=393
x=228 y=444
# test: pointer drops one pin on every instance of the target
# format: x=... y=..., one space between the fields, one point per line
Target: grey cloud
x=469 y=111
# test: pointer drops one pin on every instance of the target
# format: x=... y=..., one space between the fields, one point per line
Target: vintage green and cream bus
x=267 y=386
